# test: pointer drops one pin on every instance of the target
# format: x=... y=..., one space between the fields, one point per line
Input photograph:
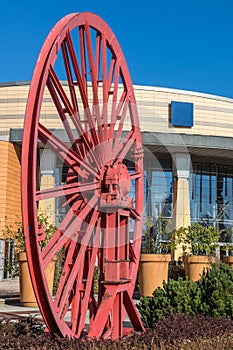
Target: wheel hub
x=115 y=187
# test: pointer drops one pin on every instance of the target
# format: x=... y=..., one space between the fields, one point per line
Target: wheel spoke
x=82 y=89
x=54 y=85
x=70 y=256
x=67 y=220
x=74 y=61
x=53 y=79
x=124 y=97
x=110 y=74
x=60 y=111
x=97 y=55
x=83 y=58
x=72 y=159
x=105 y=96
x=94 y=80
x=87 y=294
x=66 y=286
x=124 y=106
x=56 y=236
x=65 y=190
x=115 y=91
x=114 y=102
x=105 y=85
x=69 y=77
x=75 y=117
x=69 y=231
x=123 y=148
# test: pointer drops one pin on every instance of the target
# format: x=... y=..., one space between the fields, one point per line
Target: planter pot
x=27 y=296
x=195 y=264
x=185 y=262
x=228 y=260
x=153 y=270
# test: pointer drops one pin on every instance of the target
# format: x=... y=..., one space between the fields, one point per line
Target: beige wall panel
x=212 y=114
x=205 y=110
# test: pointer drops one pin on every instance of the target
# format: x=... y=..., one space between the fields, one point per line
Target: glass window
x=211 y=188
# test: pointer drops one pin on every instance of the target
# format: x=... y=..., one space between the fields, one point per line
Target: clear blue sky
x=179 y=44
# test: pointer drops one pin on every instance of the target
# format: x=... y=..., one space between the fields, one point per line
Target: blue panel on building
x=182 y=114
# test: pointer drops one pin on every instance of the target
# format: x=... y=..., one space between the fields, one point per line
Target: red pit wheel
x=102 y=197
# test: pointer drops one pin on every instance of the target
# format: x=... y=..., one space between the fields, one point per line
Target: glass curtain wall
x=60 y=179
x=158 y=205
x=211 y=196
x=158 y=189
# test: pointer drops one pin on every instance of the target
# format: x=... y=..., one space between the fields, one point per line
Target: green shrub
x=212 y=295
x=216 y=287
x=181 y=296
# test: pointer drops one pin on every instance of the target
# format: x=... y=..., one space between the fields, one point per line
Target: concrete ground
x=9 y=299
x=9 y=287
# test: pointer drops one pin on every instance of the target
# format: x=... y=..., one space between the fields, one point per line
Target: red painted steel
x=99 y=235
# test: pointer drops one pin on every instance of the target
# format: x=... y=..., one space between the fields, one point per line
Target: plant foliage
x=181 y=296
x=178 y=331
x=156 y=236
x=197 y=239
x=212 y=295
x=15 y=234
x=216 y=286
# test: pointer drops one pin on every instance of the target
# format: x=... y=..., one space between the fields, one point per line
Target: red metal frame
x=102 y=225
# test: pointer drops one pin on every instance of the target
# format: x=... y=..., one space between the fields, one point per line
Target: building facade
x=188 y=147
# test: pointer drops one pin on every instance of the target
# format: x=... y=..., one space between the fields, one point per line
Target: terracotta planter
x=153 y=270
x=228 y=260
x=195 y=264
x=185 y=261
x=27 y=296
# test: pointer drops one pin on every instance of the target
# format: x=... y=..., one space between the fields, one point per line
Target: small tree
x=156 y=236
x=197 y=239
x=14 y=233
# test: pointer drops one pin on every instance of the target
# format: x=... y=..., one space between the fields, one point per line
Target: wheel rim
x=101 y=227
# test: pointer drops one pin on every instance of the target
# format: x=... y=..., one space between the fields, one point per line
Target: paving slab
x=10 y=302
x=9 y=287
